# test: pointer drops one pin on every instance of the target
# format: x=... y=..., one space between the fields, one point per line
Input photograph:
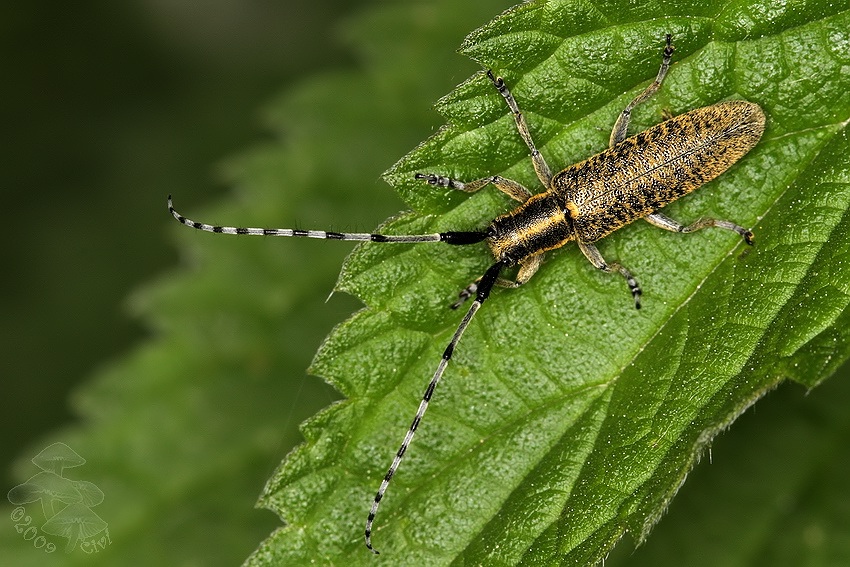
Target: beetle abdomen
x=649 y=170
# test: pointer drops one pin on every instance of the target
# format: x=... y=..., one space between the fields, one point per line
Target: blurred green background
x=107 y=108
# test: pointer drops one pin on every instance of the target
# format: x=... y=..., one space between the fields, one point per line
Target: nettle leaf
x=567 y=418
x=774 y=493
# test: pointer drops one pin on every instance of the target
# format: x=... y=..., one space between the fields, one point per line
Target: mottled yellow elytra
x=585 y=202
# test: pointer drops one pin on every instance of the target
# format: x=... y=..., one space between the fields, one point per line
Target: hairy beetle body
x=657 y=166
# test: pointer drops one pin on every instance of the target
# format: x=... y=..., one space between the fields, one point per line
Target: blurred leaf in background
x=179 y=441
x=107 y=109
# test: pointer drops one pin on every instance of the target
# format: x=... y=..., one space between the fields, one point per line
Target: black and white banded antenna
x=451 y=237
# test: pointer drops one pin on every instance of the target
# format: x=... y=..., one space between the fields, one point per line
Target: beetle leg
x=665 y=222
x=527 y=268
x=544 y=174
x=510 y=188
x=592 y=254
x=618 y=134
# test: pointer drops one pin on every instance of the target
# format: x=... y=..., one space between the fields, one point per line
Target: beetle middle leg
x=527 y=268
x=592 y=253
x=544 y=174
x=618 y=134
x=665 y=222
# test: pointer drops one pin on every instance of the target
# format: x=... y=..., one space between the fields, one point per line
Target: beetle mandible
x=585 y=202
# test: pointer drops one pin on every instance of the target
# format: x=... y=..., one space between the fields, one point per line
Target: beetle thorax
x=537 y=225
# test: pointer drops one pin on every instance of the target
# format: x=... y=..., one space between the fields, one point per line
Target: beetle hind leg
x=592 y=253
x=665 y=222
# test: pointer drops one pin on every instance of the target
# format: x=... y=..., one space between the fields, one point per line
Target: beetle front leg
x=592 y=253
x=527 y=268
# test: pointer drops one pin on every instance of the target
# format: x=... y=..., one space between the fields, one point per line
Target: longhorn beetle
x=630 y=180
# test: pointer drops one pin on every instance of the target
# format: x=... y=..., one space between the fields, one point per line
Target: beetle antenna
x=483 y=291
x=452 y=237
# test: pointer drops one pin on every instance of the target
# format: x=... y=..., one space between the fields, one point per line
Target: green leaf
x=774 y=493
x=566 y=418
